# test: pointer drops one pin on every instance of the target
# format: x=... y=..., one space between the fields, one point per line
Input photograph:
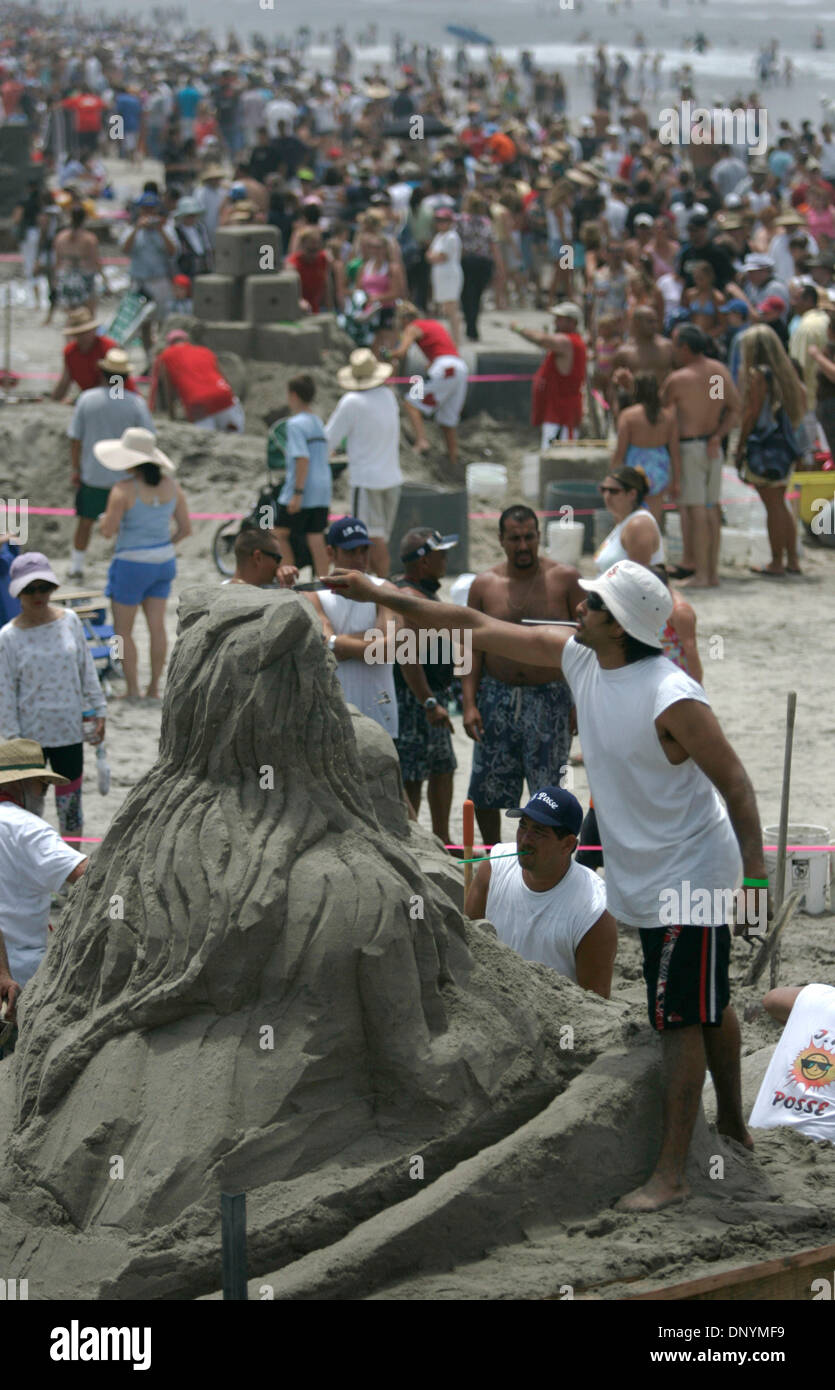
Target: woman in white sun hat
x=139 y=514
x=48 y=682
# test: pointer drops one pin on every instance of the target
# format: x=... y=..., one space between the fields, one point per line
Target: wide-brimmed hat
x=636 y=599
x=27 y=568
x=757 y=261
x=566 y=310
x=790 y=219
x=377 y=91
x=582 y=180
x=188 y=207
x=213 y=171
x=363 y=371
x=243 y=211
x=135 y=446
x=79 y=321
x=21 y=758
x=116 y=361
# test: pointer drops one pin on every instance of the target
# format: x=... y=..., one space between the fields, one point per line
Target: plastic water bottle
x=89 y=721
x=103 y=770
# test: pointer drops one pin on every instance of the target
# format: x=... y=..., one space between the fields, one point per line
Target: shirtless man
x=646 y=350
x=519 y=716
x=707 y=407
x=77 y=262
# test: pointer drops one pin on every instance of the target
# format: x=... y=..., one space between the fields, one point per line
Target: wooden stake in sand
x=783 y=835
x=468 y=840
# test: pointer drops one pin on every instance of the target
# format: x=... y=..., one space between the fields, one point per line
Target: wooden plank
x=789 y=1276
x=79 y=596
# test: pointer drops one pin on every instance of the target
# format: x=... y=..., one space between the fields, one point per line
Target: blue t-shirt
x=129 y=107
x=188 y=100
x=306 y=439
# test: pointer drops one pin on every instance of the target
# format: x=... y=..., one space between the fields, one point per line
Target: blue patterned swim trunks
x=527 y=735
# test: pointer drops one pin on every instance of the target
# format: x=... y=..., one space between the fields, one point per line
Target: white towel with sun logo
x=799 y=1087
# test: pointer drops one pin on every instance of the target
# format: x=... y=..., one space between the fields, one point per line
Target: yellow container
x=813 y=486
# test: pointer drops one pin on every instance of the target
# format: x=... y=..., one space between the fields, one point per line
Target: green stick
x=482 y=858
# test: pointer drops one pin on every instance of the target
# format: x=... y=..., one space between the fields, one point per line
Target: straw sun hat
x=135 y=446
x=363 y=371
x=21 y=758
x=79 y=321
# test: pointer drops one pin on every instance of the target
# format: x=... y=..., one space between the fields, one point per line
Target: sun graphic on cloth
x=814 y=1066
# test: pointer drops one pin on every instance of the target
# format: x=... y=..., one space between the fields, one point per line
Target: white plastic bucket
x=460 y=589
x=565 y=543
x=759 y=550
x=807 y=871
x=735 y=546
x=487 y=479
x=741 y=506
x=530 y=477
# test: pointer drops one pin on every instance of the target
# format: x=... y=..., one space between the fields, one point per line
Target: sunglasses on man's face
x=38 y=589
x=273 y=555
x=595 y=604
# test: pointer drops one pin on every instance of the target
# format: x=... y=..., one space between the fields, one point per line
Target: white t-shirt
x=369 y=686
x=447 y=276
x=369 y=422
x=663 y=829
x=798 y=1089
x=545 y=927
x=34 y=862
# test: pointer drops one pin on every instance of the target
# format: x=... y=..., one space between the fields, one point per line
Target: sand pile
x=260 y=985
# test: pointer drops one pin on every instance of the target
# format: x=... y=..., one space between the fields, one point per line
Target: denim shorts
x=131 y=581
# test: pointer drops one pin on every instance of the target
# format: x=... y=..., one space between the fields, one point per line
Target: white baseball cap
x=636 y=599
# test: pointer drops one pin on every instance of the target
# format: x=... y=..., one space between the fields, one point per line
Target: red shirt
x=475 y=139
x=558 y=399
x=88 y=110
x=313 y=275
x=83 y=367
x=434 y=341
x=195 y=377
x=11 y=92
x=502 y=148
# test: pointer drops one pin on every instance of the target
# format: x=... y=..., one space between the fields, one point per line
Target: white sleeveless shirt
x=544 y=927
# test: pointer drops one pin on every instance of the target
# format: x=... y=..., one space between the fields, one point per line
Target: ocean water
x=566 y=38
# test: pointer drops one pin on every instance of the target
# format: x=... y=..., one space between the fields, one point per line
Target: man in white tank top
x=542 y=904
x=656 y=758
x=369 y=686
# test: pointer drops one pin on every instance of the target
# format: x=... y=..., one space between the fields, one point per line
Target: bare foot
x=730 y=1129
x=654 y=1195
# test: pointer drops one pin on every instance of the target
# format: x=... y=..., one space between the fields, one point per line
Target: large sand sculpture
x=264 y=877
x=263 y=984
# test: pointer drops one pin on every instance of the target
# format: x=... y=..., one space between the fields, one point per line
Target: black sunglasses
x=603 y=489
x=273 y=555
x=595 y=603
x=38 y=589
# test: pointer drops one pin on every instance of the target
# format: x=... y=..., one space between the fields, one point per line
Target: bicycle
x=263 y=514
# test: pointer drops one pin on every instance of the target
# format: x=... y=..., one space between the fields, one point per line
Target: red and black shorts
x=686 y=971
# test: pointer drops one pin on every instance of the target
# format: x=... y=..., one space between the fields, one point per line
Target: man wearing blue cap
x=544 y=905
x=735 y=313
x=350 y=630
x=656 y=758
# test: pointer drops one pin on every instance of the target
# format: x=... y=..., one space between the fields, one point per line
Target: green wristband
x=755 y=883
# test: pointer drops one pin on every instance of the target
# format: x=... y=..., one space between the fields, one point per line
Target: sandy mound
x=219 y=906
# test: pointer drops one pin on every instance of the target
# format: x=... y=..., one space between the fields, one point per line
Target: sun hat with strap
x=21 y=758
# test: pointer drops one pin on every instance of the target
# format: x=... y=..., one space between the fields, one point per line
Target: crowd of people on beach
x=691 y=303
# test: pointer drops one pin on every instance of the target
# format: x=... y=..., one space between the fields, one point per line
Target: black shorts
x=686 y=970
x=310 y=521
